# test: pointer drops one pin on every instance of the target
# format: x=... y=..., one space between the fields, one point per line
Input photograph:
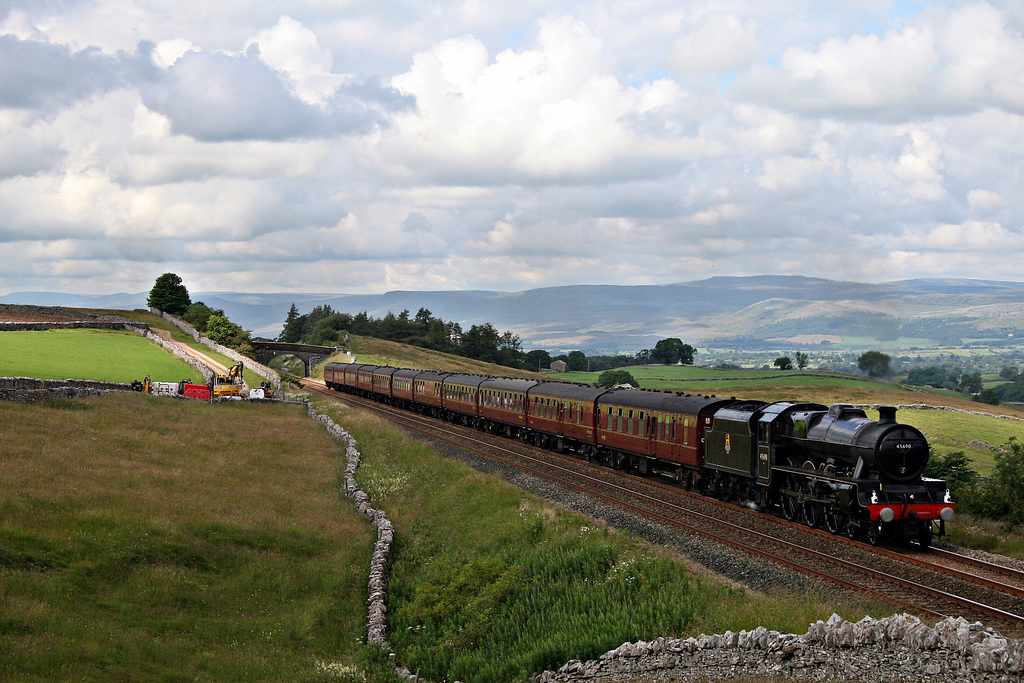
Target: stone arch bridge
x=309 y=354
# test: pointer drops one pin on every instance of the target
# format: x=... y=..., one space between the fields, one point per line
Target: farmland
x=108 y=355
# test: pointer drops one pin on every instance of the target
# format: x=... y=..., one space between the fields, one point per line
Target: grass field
x=108 y=355
x=168 y=540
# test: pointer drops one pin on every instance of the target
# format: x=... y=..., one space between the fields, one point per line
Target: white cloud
x=167 y=52
x=548 y=112
x=360 y=146
x=970 y=236
x=984 y=199
x=715 y=41
x=860 y=74
x=983 y=58
x=293 y=49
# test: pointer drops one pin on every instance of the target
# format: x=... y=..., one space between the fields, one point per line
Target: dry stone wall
x=376 y=603
x=900 y=647
x=30 y=390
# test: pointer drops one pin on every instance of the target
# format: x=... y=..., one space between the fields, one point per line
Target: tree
x=612 y=378
x=223 y=331
x=169 y=295
x=198 y=314
x=480 y=342
x=686 y=354
x=577 y=361
x=538 y=358
x=987 y=396
x=875 y=364
x=801 y=360
x=784 y=363
x=292 y=331
x=970 y=383
x=672 y=350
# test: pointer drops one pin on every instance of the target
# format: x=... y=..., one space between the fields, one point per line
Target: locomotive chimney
x=886 y=415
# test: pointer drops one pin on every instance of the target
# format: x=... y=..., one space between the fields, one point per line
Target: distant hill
x=734 y=311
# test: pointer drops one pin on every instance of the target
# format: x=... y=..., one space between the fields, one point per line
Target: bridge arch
x=309 y=354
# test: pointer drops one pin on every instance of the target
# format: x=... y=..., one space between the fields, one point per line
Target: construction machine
x=230 y=384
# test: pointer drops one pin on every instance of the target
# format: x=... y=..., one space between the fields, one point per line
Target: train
x=831 y=467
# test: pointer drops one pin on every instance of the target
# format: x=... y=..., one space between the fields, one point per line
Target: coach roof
x=661 y=400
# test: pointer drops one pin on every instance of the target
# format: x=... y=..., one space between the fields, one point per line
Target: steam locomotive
x=825 y=466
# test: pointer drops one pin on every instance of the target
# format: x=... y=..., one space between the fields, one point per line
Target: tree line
x=324 y=326
x=955 y=379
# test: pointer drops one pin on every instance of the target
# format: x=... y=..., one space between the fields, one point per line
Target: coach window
x=686 y=431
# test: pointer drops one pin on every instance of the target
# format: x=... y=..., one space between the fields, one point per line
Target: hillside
x=733 y=311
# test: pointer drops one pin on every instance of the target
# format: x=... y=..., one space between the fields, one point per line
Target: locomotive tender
x=826 y=466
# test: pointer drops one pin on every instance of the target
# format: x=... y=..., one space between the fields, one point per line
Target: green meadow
x=108 y=355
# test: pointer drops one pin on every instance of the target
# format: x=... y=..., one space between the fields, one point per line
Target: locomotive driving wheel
x=790 y=505
x=852 y=528
x=812 y=513
x=835 y=521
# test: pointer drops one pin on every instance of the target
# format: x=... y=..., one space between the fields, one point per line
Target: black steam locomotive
x=826 y=466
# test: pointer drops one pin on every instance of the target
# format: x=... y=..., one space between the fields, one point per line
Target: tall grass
x=488 y=583
x=151 y=539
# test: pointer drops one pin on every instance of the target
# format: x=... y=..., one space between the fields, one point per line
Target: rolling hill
x=733 y=311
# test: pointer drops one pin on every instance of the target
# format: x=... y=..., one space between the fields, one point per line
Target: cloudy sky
x=353 y=146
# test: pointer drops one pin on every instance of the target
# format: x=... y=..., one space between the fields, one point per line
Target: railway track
x=934 y=584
